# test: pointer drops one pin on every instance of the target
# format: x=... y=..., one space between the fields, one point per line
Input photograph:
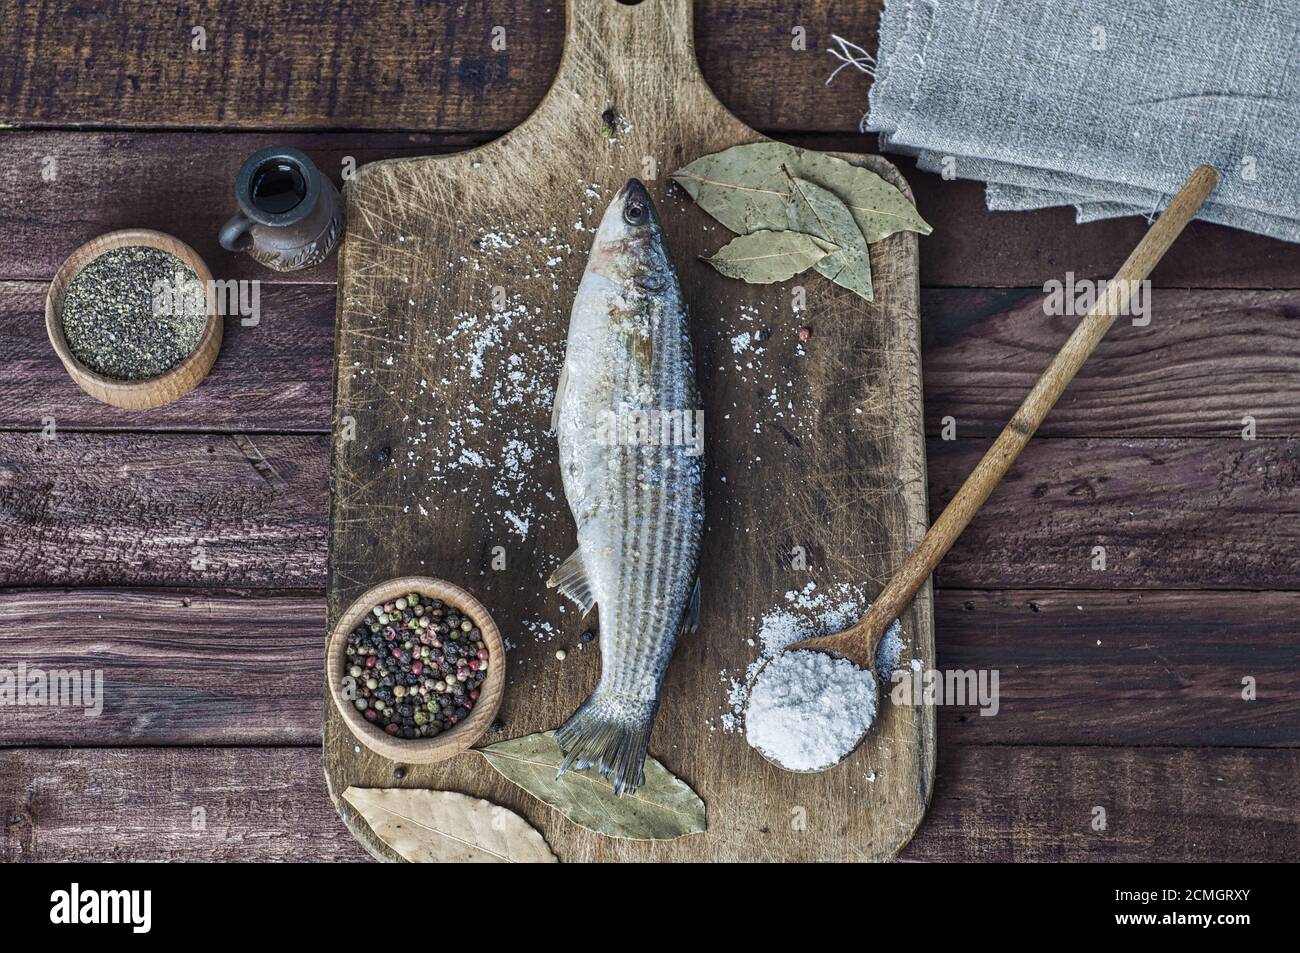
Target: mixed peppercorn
x=414 y=666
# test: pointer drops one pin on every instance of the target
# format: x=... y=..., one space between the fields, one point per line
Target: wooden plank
x=1206 y=362
x=112 y=509
x=990 y=804
x=1207 y=359
x=166 y=667
x=179 y=183
x=184 y=667
x=175 y=510
x=1124 y=668
x=1171 y=514
x=387 y=64
x=422 y=356
x=1161 y=804
x=272 y=375
x=182 y=183
x=135 y=804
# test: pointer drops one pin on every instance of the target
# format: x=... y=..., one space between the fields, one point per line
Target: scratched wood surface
x=836 y=466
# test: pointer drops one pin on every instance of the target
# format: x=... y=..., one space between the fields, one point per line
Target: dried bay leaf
x=878 y=207
x=814 y=210
x=763 y=257
x=425 y=826
x=745 y=188
x=662 y=808
x=740 y=191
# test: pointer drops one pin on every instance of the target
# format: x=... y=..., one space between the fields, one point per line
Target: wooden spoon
x=858 y=644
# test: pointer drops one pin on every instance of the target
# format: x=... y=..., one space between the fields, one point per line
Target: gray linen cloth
x=1106 y=105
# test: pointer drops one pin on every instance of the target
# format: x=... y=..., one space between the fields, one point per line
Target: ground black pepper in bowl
x=134 y=313
x=416 y=665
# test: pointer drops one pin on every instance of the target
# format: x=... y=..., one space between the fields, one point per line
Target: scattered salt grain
x=540 y=630
x=808 y=710
x=517 y=523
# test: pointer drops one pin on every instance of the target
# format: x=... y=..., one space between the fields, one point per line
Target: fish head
x=629 y=246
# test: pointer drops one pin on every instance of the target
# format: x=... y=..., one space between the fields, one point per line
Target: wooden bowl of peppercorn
x=165 y=383
x=391 y=675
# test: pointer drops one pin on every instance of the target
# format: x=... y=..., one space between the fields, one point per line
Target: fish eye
x=635 y=213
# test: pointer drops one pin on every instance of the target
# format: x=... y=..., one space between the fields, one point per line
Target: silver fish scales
x=631 y=441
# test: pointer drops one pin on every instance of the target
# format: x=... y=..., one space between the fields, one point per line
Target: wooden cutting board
x=455 y=284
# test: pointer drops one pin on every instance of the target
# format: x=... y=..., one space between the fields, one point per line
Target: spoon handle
x=995 y=463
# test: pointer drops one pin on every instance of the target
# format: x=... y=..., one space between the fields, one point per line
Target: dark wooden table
x=1121 y=689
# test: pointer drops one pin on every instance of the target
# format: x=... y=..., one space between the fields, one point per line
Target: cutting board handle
x=646 y=31
x=631 y=59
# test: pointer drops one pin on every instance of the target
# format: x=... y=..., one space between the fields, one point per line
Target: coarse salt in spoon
x=811 y=706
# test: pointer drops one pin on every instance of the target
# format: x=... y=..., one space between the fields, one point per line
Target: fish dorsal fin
x=571 y=579
x=691 y=617
x=559 y=395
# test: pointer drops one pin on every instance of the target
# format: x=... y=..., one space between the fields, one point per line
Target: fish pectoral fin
x=571 y=579
x=559 y=395
x=691 y=617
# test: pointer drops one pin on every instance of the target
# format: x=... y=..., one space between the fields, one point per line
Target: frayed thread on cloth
x=850 y=54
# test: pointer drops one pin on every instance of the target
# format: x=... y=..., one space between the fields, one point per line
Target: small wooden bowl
x=449 y=743
x=153 y=391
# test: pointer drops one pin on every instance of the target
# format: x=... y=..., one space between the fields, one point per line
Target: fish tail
x=610 y=733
